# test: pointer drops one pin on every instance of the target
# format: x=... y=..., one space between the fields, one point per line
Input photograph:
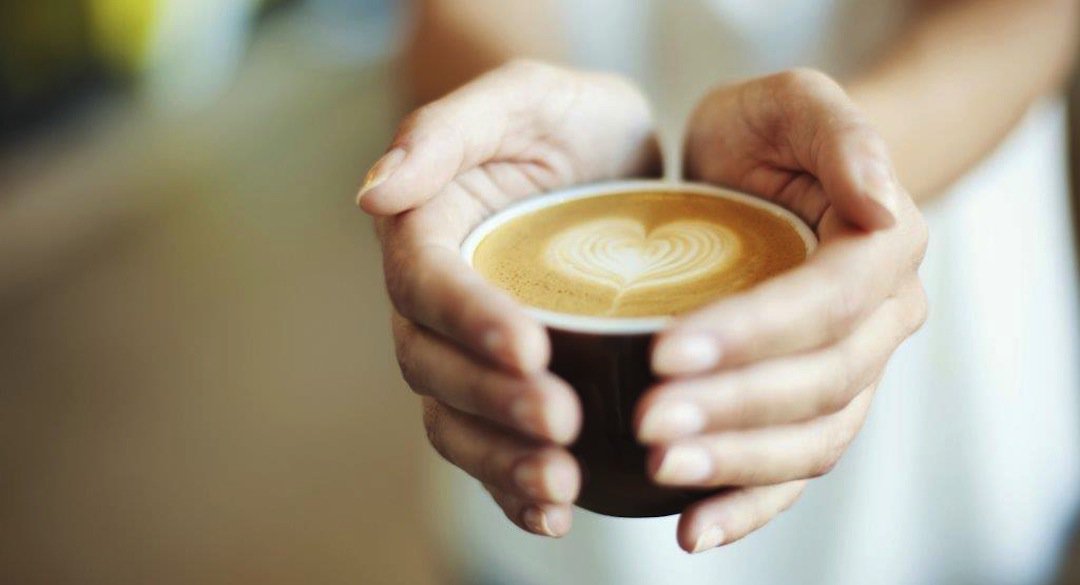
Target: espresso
x=639 y=254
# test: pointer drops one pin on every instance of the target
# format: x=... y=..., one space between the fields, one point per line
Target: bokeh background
x=196 y=379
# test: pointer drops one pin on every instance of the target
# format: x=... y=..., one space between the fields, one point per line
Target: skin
x=939 y=70
x=490 y=407
x=766 y=389
x=763 y=390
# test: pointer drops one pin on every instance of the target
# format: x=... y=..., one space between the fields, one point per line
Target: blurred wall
x=196 y=378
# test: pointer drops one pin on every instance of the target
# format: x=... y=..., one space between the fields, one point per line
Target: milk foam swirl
x=618 y=253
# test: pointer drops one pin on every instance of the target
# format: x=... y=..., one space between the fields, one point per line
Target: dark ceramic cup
x=606 y=361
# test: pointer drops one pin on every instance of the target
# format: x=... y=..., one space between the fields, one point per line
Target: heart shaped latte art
x=617 y=252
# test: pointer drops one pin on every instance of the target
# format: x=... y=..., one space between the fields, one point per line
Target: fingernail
x=553 y=418
x=671 y=420
x=559 y=480
x=684 y=464
x=712 y=537
x=380 y=171
x=535 y=349
x=562 y=418
x=686 y=354
x=558 y=520
x=539 y=481
x=879 y=186
x=536 y=521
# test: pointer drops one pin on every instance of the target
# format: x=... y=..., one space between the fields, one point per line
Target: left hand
x=766 y=389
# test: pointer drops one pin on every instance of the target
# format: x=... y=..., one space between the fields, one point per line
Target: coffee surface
x=637 y=254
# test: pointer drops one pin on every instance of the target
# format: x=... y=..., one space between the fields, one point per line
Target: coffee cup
x=636 y=254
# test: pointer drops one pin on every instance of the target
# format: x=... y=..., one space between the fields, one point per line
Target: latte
x=604 y=266
x=637 y=254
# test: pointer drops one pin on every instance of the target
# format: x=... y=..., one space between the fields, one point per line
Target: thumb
x=856 y=173
x=432 y=146
x=462 y=130
x=833 y=141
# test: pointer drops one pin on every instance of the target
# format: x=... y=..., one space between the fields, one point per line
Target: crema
x=638 y=254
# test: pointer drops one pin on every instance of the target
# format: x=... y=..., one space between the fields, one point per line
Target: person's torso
x=927 y=493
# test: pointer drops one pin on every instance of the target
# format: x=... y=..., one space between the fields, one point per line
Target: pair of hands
x=761 y=391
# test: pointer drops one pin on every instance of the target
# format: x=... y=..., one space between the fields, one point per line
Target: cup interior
x=618 y=325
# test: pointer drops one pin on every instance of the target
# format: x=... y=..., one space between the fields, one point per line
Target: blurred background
x=196 y=379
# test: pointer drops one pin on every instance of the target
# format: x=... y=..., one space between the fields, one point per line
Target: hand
x=767 y=388
x=490 y=406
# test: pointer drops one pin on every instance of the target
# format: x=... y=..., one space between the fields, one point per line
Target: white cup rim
x=617 y=325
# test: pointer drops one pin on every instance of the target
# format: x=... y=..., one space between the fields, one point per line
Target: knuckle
x=490 y=468
x=921 y=230
x=426 y=115
x=833 y=444
x=823 y=466
x=415 y=120
x=800 y=79
x=403 y=351
x=523 y=64
x=409 y=278
x=922 y=308
x=434 y=121
x=401 y=271
x=836 y=381
x=530 y=68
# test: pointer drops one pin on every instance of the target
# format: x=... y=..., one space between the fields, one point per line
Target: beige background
x=196 y=378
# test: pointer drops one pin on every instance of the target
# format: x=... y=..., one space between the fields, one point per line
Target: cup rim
x=617 y=325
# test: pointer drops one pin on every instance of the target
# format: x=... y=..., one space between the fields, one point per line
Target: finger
x=728 y=517
x=493 y=117
x=557 y=126
x=522 y=468
x=552 y=520
x=760 y=456
x=540 y=405
x=784 y=390
x=457 y=132
x=431 y=285
x=846 y=154
x=816 y=303
x=830 y=138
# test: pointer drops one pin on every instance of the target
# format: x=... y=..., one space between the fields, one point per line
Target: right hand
x=473 y=353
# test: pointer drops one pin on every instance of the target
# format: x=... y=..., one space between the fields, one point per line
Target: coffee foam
x=618 y=253
x=650 y=253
